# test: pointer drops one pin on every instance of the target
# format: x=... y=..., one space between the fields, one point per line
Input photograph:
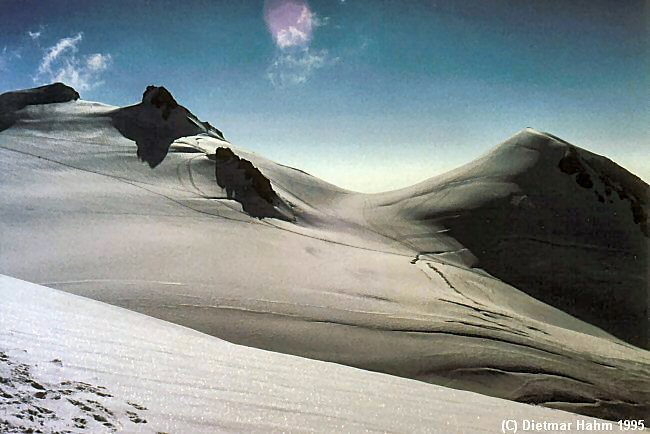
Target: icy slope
x=69 y=363
x=364 y=280
x=562 y=224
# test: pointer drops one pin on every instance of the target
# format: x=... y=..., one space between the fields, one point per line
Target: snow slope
x=560 y=223
x=70 y=364
x=382 y=282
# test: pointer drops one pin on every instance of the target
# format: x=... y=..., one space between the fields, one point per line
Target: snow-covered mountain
x=560 y=223
x=522 y=275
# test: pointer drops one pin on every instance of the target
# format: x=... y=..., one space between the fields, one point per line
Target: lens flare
x=289 y=22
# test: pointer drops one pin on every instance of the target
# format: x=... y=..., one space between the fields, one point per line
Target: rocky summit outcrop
x=156 y=122
x=616 y=182
x=11 y=102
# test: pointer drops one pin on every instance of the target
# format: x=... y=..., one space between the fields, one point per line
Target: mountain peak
x=160 y=97
x=48 y=94
x=11 y=102
x=544 y=216
x=156 y=122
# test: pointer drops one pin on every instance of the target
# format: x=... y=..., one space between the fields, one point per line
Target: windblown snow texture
x=69 y=364
x=517 y=275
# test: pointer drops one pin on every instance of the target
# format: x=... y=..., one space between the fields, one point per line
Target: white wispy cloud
x=6 y=56
x=318 y=21
x=295 y=61
x=3 y=59
x=294 y=67
x=300 y=34
x=34 y=35
x=290 y=37
x=61 y=62
x=66 y=47
x=98 y=61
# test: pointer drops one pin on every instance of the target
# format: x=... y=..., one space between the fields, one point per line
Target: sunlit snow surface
x=347 y=281
x=69 y=363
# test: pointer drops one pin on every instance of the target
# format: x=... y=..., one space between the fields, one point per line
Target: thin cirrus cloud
x=295 y=67
x=8 y=55
x=34 y=35
x=3 y=59
x=291 y=24
x=62 y=62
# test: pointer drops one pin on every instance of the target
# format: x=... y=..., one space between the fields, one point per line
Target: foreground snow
x=72 y=364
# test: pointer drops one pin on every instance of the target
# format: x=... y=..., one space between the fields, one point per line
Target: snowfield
x=509 y=276
x=70 y=364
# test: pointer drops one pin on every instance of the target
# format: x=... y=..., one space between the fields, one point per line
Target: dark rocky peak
x=156 y=122
x=11 y=102
x=161 y=98
x=49 y=94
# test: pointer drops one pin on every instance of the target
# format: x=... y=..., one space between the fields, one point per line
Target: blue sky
x=370 y=95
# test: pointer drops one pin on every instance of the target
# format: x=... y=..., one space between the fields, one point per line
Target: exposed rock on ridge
x=245 y=183
x=11 y=102
x=156 y=122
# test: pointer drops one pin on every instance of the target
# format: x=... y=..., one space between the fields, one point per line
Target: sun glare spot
x=289 y=22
